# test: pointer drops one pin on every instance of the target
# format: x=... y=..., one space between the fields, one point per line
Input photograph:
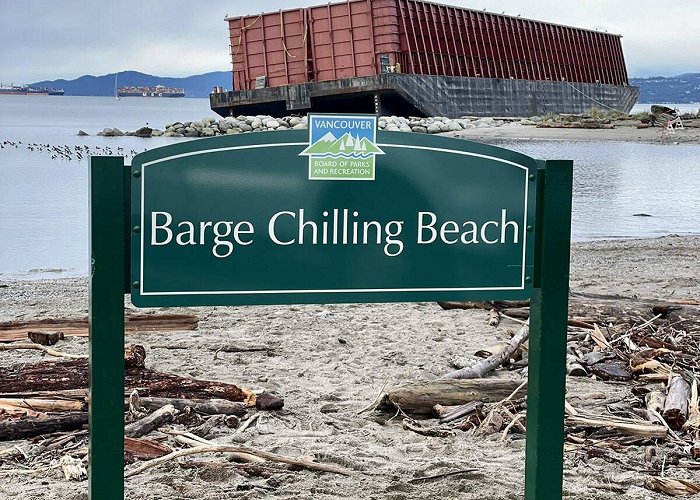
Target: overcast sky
x=69 y=38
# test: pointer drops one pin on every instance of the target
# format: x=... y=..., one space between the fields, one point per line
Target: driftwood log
x=141 y=427
x=76 y=400
x=11 y=331
x=420 y=398
x=624 y=426
x=12 y=429
x=203 y=406
x=676 y=404
x=588 y=308
x=42 y=404
x=73 y=374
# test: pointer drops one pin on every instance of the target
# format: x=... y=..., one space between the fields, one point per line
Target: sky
x=43 y=40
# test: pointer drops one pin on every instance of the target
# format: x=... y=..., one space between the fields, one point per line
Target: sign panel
x=255 y=219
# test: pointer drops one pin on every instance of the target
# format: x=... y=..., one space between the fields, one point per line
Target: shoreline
x=621 y=133
x=583 y=127
x=55 y=274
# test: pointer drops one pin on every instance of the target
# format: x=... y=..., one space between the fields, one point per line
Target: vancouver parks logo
x=342 y=147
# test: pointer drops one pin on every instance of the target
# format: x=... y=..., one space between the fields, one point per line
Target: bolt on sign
x=262 y=219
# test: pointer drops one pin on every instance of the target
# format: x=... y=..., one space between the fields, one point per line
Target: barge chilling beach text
x=335 y=227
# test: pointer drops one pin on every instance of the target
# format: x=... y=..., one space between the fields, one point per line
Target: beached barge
x=410 y=57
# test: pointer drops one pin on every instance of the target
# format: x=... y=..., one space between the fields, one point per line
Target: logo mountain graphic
x=346 y=146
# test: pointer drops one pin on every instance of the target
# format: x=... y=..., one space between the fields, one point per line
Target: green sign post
x=338 y=214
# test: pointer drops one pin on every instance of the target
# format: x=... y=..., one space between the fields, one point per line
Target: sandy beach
x=624 y=131
x=330 y=361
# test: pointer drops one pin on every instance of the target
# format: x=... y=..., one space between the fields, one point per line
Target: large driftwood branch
x=273 y=457
x=489 y=364
x=420 y=398
x=193 y=440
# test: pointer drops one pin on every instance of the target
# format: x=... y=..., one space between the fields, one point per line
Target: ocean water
x=44 y=195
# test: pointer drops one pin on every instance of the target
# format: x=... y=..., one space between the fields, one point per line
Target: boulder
x=144 y=132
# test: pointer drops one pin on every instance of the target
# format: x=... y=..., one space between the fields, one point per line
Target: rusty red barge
x=411 y=57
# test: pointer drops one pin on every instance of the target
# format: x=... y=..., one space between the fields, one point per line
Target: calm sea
x=43 y=194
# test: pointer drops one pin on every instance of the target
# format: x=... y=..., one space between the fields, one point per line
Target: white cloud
x=176 y=38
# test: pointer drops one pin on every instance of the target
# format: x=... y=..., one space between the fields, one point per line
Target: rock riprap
x=210 y=127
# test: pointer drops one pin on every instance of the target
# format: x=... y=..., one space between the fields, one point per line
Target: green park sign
x=340 y=213
x=244 y=222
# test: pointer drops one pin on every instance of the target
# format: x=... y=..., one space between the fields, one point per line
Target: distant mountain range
x=195 y=86
x=657 y=89
x=677 y=89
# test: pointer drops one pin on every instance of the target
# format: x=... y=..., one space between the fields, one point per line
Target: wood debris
x=47 y=403
x=649 y=345
x=672 y=487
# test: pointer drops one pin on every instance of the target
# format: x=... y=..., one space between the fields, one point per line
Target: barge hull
x=427 y=95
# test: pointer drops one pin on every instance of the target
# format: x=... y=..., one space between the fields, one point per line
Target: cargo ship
x=412 y=57
x=157 y=91
x=27 y=90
